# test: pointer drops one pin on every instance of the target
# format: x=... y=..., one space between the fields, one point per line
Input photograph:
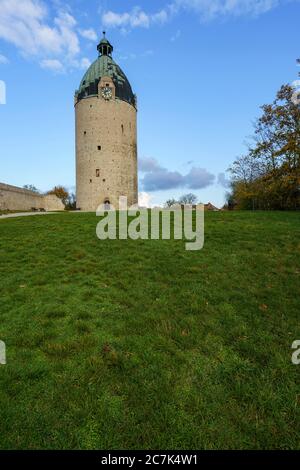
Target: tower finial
x=105 y=47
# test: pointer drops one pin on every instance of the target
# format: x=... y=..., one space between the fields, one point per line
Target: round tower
x=106 y=135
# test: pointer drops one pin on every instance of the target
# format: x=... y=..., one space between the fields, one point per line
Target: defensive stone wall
x=19 y=199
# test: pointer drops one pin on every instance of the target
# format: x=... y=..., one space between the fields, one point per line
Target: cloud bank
x=134 y=19
x=53 y=40
x=158 y=178
x=205 y=9
x=89 y=34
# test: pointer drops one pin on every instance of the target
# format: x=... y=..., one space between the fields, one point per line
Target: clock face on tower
x=107 y=93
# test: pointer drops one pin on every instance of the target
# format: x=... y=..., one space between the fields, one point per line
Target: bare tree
x=188 y=199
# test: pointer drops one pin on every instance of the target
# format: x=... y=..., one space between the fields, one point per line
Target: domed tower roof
x=102 y=67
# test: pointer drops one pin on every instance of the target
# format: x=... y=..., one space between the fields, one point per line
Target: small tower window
x=84 y=133
x=99 y=147
x=122 y=127
x=91 y=181
x=97 y=173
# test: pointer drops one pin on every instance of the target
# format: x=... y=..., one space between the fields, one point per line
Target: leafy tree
x=68 y=199
x=268 y=176
x=61 y=192
x=188 y=199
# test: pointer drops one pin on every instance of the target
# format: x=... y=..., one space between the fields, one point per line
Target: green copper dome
x=105 y=66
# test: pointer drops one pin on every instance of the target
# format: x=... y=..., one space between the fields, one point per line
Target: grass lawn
x=143 y=345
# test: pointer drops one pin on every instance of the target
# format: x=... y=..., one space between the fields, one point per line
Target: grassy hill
x=141 y=344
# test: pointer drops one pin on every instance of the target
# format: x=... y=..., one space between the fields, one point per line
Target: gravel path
x=25 y=214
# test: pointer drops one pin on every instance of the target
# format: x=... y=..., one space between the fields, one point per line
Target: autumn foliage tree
x=268 y=176
x=61 y=192
x=68 y=199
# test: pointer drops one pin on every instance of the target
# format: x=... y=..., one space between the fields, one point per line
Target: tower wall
x=106 y=152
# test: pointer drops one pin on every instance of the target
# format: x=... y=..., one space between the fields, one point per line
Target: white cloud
x=145 y=199
x=3 y=59
x=23 y=23
x=89 y=34
x=160 y=17
x=69 y=39
x=133 y=56
x=84 y=63
x=206 y=10
x=52 y=64
x=158 y=178
x=130 y=56
x=52 y=39
x=209 y=9
x=134 y=19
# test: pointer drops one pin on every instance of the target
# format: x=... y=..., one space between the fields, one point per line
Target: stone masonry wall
x=20 y=199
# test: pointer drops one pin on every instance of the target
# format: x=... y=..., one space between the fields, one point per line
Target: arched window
x=107 y=204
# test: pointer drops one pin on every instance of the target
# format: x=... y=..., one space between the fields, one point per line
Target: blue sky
x=200 y=69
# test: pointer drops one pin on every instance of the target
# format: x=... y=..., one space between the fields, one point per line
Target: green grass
x=143 y=345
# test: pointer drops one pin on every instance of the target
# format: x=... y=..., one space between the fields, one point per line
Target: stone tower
x=106 y=135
